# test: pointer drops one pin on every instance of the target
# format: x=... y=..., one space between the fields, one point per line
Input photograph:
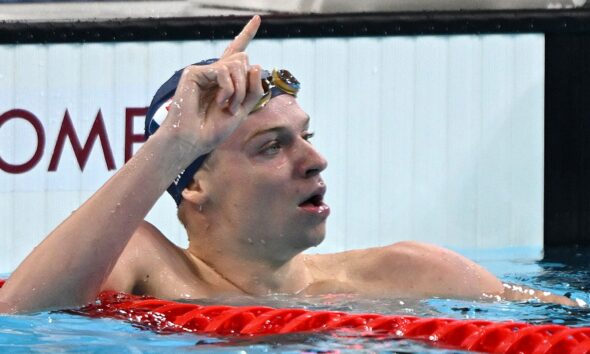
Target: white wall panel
x=362 y=140
x=7 y=93
x=29 y=202
x=464 y=130
x=329 y=114
x=64 y=83
x=30 y=90
x=99 y=78
x=526 y=137
x=494 y=188
x=428 y=138
x=7 y=147
x=398 y=91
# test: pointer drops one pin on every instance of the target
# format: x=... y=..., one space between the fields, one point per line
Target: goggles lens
x=277 y=83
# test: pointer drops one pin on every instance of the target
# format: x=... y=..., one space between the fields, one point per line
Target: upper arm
x=454 y=274
x=448 y=273
x=136 y=258
x=419 y=269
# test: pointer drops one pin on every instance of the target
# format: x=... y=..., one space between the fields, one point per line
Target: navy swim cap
x=155 y=116
x=158 y=111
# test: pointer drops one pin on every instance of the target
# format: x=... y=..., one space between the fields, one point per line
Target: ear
x=196 y=192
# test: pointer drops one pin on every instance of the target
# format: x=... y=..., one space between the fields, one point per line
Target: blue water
x=561 y=272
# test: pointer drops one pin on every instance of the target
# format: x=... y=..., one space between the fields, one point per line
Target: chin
x=319 y=239
x=303 y=238
x=307 y=240
x=316 y=237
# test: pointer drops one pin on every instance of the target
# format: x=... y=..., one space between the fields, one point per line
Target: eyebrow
x=277 y=129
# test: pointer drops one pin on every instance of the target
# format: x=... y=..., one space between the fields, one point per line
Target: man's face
x=264 y=181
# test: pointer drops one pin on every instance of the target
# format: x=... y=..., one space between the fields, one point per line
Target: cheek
x=269 y=194
x=269 y=189
x=255 y=183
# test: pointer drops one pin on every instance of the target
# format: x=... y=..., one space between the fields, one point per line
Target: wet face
x=264 y=181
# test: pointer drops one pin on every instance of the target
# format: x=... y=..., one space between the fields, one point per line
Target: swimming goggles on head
x=277 y=83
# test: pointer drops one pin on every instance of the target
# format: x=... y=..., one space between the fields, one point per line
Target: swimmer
x=251 y=205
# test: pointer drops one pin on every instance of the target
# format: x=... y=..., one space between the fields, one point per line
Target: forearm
x=69 y=266
x=515 y=292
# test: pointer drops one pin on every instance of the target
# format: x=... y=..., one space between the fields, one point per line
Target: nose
x=311 y=162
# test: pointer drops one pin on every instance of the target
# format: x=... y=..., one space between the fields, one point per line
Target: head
x=262 y=185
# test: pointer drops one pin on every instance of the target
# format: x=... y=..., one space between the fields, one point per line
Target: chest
x=182 y=282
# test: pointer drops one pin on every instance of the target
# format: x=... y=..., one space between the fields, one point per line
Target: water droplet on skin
x=250 y=240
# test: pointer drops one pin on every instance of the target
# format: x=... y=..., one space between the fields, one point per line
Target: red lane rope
x=474 y=335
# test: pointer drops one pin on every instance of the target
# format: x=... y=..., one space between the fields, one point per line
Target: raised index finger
x=242 y=40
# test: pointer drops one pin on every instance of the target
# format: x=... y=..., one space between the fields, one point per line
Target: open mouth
x=316 y=206
x=314 y=201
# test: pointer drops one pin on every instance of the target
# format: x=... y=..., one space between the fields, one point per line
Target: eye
x=307 y=136
x=271 y=148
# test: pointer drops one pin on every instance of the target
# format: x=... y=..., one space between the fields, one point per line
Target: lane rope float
x=164 y=316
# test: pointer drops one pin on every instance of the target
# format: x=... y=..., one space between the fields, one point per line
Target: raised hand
x=212 y=100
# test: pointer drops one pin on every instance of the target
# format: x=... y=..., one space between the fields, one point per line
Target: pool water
x=564 y=271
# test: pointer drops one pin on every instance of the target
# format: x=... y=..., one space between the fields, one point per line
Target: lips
x=314 y=203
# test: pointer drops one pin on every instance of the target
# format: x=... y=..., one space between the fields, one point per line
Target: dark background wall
x=567 y=139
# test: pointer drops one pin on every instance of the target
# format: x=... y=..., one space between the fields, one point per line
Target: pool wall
x=436 y=138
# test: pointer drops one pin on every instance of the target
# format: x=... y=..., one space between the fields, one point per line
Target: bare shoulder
x=147 y=238
x=401 y=254
x=147 y=249
x=412 y=269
